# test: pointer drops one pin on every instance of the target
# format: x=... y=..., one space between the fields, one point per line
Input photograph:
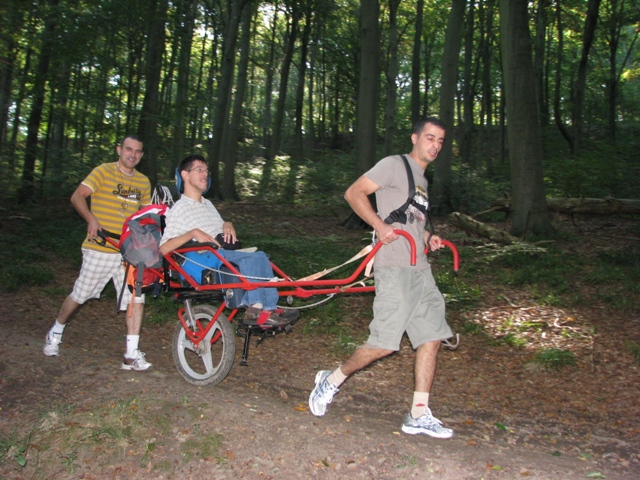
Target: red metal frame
x=295 y=288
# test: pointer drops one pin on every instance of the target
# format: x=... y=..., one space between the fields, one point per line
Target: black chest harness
x=399 y=215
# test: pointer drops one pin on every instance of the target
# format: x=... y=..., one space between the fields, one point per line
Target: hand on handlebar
x=386 y=234
x=433 y=242
x=93 y=226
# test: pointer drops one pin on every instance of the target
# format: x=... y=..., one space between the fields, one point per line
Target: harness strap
x=326 y=271
x=399 y=214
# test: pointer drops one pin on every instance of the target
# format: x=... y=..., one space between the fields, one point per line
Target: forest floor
x=80 y=416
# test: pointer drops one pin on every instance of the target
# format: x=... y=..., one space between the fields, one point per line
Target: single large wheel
x=211 y=361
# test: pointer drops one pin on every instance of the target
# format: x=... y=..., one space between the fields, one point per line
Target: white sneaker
x=137 y=362
x=426 y=424
x=52 y=344
x=322 y=394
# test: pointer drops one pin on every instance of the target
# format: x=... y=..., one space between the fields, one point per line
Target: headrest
x=180 y=186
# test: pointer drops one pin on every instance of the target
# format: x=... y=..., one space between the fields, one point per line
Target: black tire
x=212 y=361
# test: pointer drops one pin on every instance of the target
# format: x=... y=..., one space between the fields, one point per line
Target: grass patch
x=634 y=350
x=161 y=310
x=17 y=275
x=554 y=358
x=67 y=437
x=13 y=447
x=201 y=445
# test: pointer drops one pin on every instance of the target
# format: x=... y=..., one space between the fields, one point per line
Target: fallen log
x=468 y=224
x=572 y=206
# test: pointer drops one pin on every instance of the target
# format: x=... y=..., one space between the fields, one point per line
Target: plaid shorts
x=407 y=300
x=97 y=269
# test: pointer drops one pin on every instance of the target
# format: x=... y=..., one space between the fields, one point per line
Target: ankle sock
x=336 y=378
x=57 y=328
x=132 y=345
x=420 y=404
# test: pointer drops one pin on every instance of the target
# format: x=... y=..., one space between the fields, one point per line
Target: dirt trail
x=510 y=422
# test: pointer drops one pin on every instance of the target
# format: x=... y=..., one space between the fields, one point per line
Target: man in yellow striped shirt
x=116 y=190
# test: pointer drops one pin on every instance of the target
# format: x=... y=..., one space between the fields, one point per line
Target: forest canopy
x=259 y=86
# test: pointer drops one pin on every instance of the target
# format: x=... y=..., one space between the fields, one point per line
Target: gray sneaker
x=322 y=394
x=52 y=344
x=427 y=424
x=138 y=362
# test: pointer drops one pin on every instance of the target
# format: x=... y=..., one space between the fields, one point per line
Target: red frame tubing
x=300 y=288
x=199 y=335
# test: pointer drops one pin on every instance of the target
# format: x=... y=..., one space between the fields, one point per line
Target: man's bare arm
x=357 y=195
x=79 y=202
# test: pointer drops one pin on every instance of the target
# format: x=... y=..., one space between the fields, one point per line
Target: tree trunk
x=27 y=191
x=268 y=98
x=392 y=74
x=368 y=91
x=368 y=85
x=468 y=92
x=415 y=64
x=297 y=157
x=475 y=227
x=530 y=217
x=538 y=62
x=587 y=40
x=278 y=124
x=441 y=188
x=229 y=191
x=557 y=111
x=590 y=206
x=57 y=151
x=147 y=128
x=181 y=107
x=224 y=94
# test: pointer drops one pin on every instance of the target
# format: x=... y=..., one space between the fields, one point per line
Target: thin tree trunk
x=415 y=64
x=297 y=158
x=181 y=108
x=147 y=128
x=224 y=94
x=392 y=74
x=441 y=189
x=27 y=190
x=588 y=35
x=468 y=89
x=229 y=191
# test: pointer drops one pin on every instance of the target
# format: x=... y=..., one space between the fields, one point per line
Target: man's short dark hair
x=187 y=162
x=132 y=137
x=417 y=128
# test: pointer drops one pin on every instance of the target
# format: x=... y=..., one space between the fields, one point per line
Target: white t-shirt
x=187 y=214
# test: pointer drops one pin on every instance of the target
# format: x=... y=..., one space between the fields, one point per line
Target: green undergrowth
x=65 y=438
x=29 y=240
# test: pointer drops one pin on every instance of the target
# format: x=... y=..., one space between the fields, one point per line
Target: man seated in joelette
x=194 y=218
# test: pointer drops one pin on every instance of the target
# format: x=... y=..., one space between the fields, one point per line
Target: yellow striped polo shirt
x=115 y=196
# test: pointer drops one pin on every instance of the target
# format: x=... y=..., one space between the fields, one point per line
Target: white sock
x=420 y=404
x=336 y=378
x=132 y=345
x=58 y=327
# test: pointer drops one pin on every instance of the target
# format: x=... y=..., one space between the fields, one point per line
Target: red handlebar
x=446 y=243
x=412 y=244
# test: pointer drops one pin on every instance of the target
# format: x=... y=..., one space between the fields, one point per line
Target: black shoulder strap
x=398 y=215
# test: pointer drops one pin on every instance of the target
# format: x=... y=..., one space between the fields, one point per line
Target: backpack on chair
x=140 y=249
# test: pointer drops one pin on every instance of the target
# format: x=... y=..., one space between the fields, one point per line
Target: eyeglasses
x=200 y=171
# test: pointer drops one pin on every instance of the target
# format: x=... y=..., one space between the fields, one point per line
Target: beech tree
x=529 y=216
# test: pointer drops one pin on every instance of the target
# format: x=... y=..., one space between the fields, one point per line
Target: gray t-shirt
x=391 y=175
